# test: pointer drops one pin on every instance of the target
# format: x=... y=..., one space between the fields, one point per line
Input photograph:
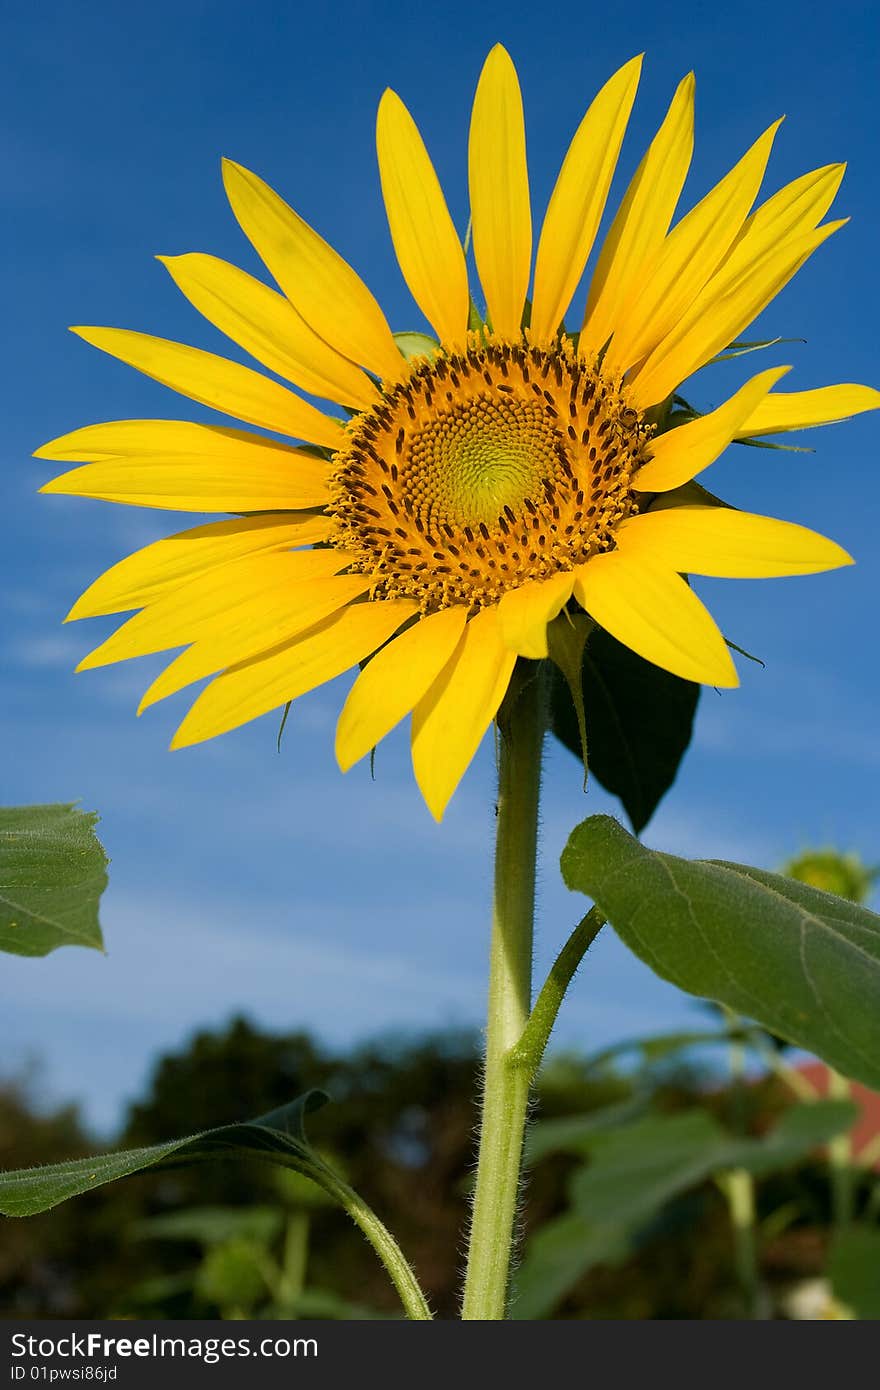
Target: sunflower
x=480 y=483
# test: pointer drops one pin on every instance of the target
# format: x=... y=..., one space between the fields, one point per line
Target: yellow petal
x=792 y=212
x=267 y=326
x=671 y=279
x=321 y=286
x=215 y=382
x=499 y=189
x=450 y=720
x=578 y=200
x=203 y=484
x=795 y=209
x=258 y=625
x=267 y=682
x=698 y=337
x=426 y=243
x=143 y=577
x=146 y=439
x=801 y=410
x=728 y=544
x=525 y=612
x=652 y=611
x=681 y=453
x=394 y=681
x=642 y=220
x=229 y=601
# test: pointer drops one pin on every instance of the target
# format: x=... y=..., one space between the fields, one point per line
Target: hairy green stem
x=506 y=1087
x=381 y=1239
x=532 y=1045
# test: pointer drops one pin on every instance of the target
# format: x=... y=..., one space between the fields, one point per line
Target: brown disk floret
x=484 y=470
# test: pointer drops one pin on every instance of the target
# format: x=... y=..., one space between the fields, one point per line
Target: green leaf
x=656 y=1046
x=416 y=345
x=562 y=1252
x=278 y=1137
x=639 y=721
x=213 y=1225
x=329 y=1306
x=800 y=1130
x=53 y=870
x=575 y=1133
x=636 y=1169
x=232 y=1274
x=854 y=1270
x=803 y=963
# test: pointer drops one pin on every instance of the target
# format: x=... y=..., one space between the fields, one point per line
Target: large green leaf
x=639 y=721
x=53 y=870
x=804 y=963
x=279 y=1137
x=636 y=1169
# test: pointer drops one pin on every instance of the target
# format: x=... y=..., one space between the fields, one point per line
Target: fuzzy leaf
x=803 y=963
x=53 y=870
x=278 y=1137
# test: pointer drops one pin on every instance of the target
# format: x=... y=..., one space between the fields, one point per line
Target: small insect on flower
x=479 y=489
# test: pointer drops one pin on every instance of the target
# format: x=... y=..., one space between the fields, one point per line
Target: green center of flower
x=485 y=470
x=477 y=457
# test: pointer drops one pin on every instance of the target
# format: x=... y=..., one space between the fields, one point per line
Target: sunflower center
x=484 y=470
x=478 y=456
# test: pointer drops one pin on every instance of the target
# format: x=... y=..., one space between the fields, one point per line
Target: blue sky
x=246 y=880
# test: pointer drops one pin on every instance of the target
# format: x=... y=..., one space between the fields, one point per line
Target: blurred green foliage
x=226 y=1240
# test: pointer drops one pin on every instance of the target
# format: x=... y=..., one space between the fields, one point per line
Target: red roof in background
x=867 y=1127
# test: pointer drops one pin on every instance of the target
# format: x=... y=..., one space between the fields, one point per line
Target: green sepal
x=740 y=349
x=742 y=651
x=413 y=345
x=690 y=494
x=476 y=322
x=753 y=442
x=567 y=637
x=283 y=724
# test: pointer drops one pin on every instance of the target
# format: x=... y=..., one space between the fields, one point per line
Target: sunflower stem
x=522 y=722
x=396 y=1264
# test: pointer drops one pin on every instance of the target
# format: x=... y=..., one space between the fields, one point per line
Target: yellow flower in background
x=476 y=490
